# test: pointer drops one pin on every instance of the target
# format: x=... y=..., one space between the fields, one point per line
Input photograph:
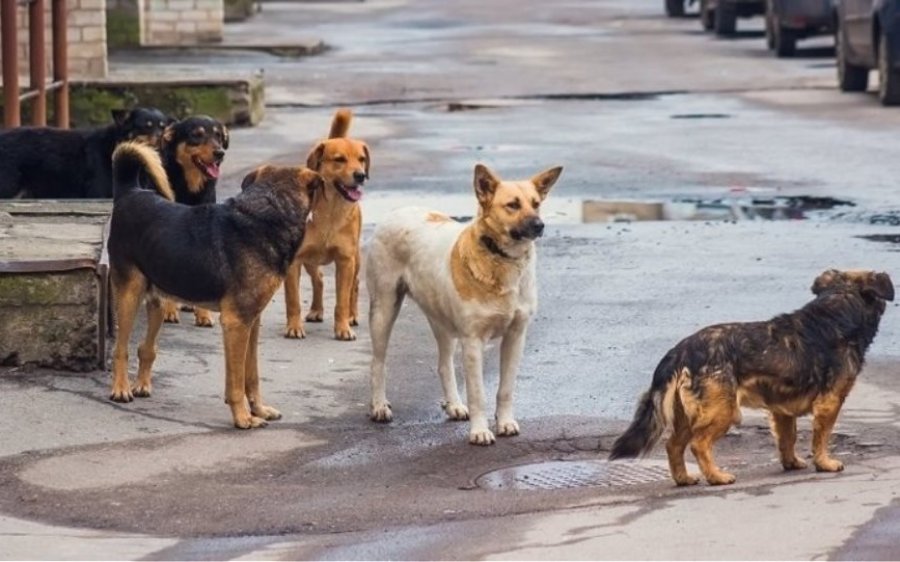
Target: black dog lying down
x=792 y=365
x=49 y=163
x=228 y=257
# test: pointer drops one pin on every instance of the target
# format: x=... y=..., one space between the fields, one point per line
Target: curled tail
x=132 y=162
x=651 y=418
x=340 y=124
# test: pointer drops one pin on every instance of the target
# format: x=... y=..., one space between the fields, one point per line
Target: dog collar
x=493 y=247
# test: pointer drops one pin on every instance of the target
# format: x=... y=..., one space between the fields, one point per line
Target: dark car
x=788 y=21
x=867 y=37
x=721 y=15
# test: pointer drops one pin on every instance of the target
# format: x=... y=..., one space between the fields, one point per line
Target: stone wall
x=181 y=22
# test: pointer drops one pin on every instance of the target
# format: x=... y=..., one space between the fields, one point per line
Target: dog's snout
x=534 y=227
x=359 y=177
x=219 y=154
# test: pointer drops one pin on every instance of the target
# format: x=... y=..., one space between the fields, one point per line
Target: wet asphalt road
x=634 y=106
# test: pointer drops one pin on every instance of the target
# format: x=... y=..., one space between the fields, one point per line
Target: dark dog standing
x=795 y=364
x=192 y=153
x=49 y=163
x=239 y=256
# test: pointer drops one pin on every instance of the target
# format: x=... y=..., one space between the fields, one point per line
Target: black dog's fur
x=229 y=257
x=794 y=364
x=49 y=163
x=192 y=150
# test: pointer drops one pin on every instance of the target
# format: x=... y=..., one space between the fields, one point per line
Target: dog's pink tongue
x=212 y=170
x=354 y=193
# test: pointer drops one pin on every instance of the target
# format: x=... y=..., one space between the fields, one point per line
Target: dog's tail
x=654 y=412
x=340 y=124
x=134 y=163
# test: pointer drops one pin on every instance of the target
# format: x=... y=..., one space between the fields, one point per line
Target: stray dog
x=795 y=364
x=192 y=151
x=49 y=163
x=474 y=282
x=240 y=252
x=333 y=232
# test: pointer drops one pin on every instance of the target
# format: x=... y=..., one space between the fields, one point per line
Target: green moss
x=122 y=28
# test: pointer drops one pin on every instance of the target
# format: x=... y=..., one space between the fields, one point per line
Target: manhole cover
x=560 y=475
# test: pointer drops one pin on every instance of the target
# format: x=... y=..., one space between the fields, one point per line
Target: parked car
x=721 y=15
x=867 y=37
x=676 y=8
x=788 y=21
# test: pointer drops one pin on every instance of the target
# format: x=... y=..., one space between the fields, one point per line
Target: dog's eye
x=149 y=124
x=535 y=204
x=514 y=205
x=342 y=159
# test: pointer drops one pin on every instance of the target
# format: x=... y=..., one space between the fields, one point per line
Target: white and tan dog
x=474 y=282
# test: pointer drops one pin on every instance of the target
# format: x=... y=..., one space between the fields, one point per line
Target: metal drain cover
x=561 y=475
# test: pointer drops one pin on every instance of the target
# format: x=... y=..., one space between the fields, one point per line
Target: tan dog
x=474 y=282
x=333 y=232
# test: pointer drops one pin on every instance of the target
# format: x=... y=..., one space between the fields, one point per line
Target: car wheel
x=785 y=41
x=888 y=75
x=707 y=16
x=770 y=21
x=725 y=19
x=675 y=8
x=851 y=78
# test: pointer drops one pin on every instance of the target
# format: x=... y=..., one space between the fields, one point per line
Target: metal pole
x=60 y=63
x=11 y=116
x=38 y=62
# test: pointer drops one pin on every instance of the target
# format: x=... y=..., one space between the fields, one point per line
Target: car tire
x=707 y=16
x=888 y=75
x=851 y=78
x=785 y=41
x=725 y=19
x=675 y=8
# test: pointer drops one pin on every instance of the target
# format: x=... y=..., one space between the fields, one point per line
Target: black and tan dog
x=795 y=364
x=238 y=257
x=50 y=163
x=192 y=153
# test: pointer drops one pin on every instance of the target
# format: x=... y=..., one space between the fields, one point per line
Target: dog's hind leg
x=317 y=279
x=452 y=403
x=128 y=289
x=473 y=364
x=510 y=354
x=294 y=327
x=345 y=277
x=251 y=379
x=236 y=333
x=784 y=428
x=826 y=408
x=710 y=414
x=677 y=443
x=385 y=300
x=147 y=350
x=354 y=294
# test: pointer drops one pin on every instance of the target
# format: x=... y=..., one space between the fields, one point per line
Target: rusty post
x=60 y=64
x=37 y=63
x=11 y=115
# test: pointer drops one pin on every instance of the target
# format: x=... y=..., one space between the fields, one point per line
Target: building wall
x=181 y=22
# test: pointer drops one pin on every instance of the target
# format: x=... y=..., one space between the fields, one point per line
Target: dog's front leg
x=345 y=277
x=236 y=334
x=473 y=356
x=825 y=412
x=251 y=380
x=510 y=353
x=294 y=327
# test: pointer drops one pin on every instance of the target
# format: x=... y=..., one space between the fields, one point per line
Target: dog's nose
x=359 y=177
x=218 y=154
x=534 y=227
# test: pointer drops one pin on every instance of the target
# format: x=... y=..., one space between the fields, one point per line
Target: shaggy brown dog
x=795 y=364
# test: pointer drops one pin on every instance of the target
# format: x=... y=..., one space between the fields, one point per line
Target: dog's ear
x=120 y=116
x=879 y=285
x=314 y=160
x=365 y=148
x=486 y=183
x=170 y=120
x=226 y=137
x=824 y=280
x=168 y=135
x=545 y=180
x=250 y=178
x=312 y=180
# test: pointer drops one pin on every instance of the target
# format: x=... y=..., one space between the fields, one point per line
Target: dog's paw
x=829 y=465
x=481 y=437
x=344 y=334
x=381 y=412
x=265 y=412
x=249 y=422
x=121 y=393
x=794 y=464
x=203 y=319
x=456 y=411
x=315 y=316
x=720 y=478
x=171 y=316
x=295 y=331
x=142 y=390
x=507 y=428
x=687 y=480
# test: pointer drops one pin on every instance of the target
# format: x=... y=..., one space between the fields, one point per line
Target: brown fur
x=332 y=235
x=795 y=364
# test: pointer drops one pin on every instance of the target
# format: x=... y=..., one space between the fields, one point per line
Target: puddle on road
x=893 y=239
x=580 y=210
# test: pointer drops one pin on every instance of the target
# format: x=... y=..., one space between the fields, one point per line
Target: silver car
x=788 y=21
